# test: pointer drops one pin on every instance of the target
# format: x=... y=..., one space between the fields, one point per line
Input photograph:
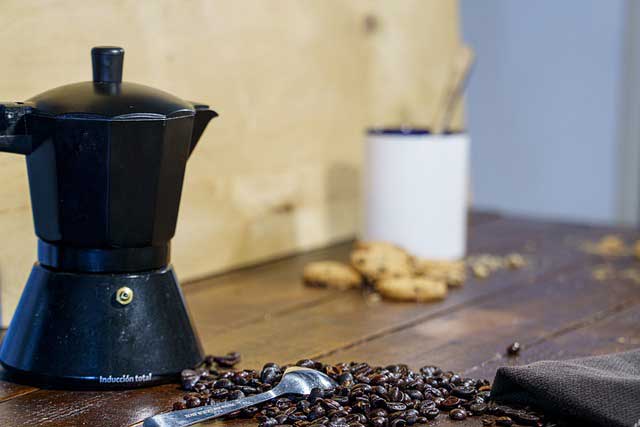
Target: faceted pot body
x=99 y=183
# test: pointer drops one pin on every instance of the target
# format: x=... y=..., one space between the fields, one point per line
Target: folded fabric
x=600 y=390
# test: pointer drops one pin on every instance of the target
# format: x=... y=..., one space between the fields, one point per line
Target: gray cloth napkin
x=600 y=390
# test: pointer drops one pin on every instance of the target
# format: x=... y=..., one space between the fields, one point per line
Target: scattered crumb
x=603 y=272
x=453 y=273
x=515 y=261
x=373 y=298
x=632 y=274
x=609 y=246
x=480 y=271
x=484 y=265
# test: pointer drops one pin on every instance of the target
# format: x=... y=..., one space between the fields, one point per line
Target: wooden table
x=555 y=307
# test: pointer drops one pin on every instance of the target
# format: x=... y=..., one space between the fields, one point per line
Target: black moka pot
x=106 y=161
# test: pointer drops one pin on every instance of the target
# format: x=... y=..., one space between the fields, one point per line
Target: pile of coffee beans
x=391 y=396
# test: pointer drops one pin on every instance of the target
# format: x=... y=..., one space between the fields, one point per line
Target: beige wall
x=295 y=83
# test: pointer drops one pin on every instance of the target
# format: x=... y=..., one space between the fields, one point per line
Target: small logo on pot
x=126 y=378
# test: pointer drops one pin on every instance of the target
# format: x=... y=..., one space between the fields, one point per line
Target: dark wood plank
x=253 y=294
x=605 y=333
x=308 y=329
x=468 y=337
x=349 y=319
x=9 y=389
x=611 y=333
x=77 y=408
x=239 y=298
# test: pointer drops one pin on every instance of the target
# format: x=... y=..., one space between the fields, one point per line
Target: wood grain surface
x=554 y=307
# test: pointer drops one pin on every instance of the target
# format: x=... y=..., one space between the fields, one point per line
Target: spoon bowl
x=298 y=380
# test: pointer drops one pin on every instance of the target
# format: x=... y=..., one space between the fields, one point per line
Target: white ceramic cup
x=416 y=191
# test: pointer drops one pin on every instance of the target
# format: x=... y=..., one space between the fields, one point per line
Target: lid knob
x=107 y=64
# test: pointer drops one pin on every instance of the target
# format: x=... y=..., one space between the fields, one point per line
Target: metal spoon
x=295 y=380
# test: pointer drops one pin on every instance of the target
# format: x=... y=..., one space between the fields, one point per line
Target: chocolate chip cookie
x=419 y=289
x=331 y=274
x=380 y=260
x=453 y=273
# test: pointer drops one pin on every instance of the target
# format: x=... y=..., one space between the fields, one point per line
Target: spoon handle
x=192 y=416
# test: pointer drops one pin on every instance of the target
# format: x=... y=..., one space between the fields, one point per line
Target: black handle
x=14 y=137
x=107 y=64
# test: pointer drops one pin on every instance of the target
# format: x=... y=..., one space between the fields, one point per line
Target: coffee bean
x=178 y=406
x=341 y=413
x=379 y=412
x=315 y=413
x=288 y=411
x=271 y=412
x=343 y=400
x=426 y=405
x=331 y=404
x=458 y=414
x=431 y=414
x=322 y=420
x=415 y=394
x=247 y=390
x=463 y=392
x=514 y=349
x=449 y=403
x=377 y=401
x=189 y=379
x=227 y=361
x=345 y=379
x=269 y=422
x=455 y=379
x=193 y=402
x=368 y=396
x=379 y=422
x=431 y=371
x=235 y=394
x=361 y=407
x=411 y=413
x=395 y=406
x=478 y=408
x=308 y=363
x=526 y=419
x=504 y=421
x=283 y=403
x=224 y=383
x=356 y=418
x=379 y=379
x=249 y=412
x=270 y=374
x=315 y=395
